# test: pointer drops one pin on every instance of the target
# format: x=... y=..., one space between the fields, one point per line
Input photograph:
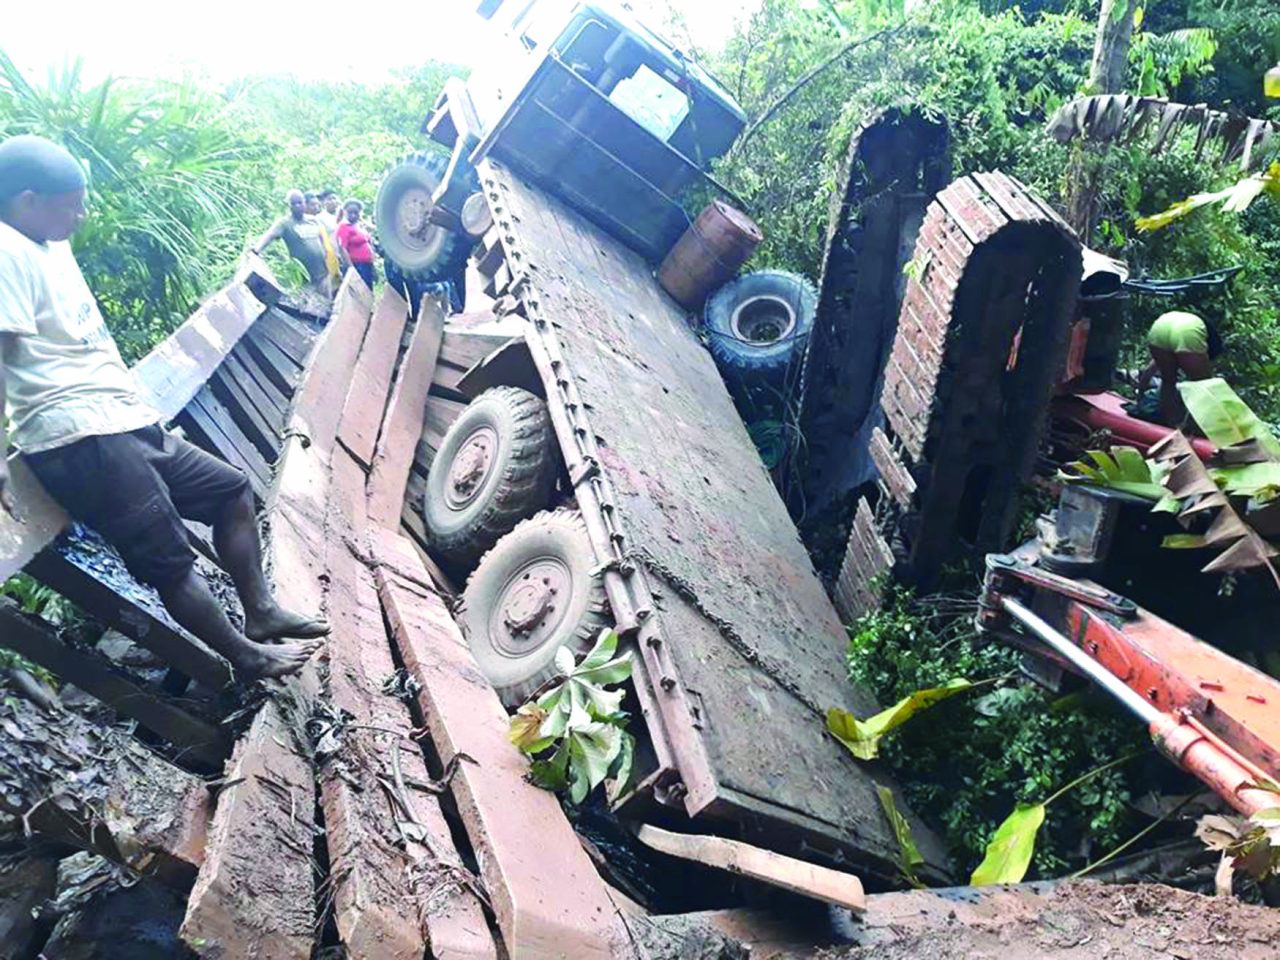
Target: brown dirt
x=1084 y=921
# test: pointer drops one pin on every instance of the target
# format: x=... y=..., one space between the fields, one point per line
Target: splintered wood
x=548 y=900
x=255 y=894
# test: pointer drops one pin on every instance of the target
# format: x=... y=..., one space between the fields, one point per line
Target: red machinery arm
x=1214 y=716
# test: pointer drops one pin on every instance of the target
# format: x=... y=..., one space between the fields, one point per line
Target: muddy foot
x=274 y=660
x=278 y=623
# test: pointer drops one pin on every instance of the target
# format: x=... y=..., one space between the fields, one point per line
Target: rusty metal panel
x=666 y=471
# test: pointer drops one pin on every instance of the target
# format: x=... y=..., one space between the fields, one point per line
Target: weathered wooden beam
x=370 y=381
x=254 y=895
x=202 y=743
x=82 y=566
x=548 y=900
x=388 y=845
x=745 y=860
x=171 y=374
x=97 y=789
x=406 y=412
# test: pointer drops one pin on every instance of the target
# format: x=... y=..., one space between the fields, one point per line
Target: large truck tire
x=534 y=592
x=496 y=466
x=759 y=323
x=419 y=251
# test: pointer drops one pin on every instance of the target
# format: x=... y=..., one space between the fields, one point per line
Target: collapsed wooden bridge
x=326 y=424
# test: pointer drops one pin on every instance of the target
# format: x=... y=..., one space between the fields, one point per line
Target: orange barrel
x=708 y=254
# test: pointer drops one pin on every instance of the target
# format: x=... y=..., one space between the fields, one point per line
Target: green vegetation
x=184 y=177
x=576 y=731
x=968 y=759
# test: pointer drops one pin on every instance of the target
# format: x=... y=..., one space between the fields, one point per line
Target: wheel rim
x=411 y=213
x=471 y=468
x=531 y=607
x=763 y=320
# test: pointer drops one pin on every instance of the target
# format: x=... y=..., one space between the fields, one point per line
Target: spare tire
x=496 y=466
x=419 y=250
x=535 y=591
x=757 y=324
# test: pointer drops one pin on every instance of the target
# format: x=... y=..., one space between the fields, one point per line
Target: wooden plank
x=734 y=856
x=446 y=379
x=464 y=348
x=548 y=900
x=438 y=417
x=82 y=565
x=293 y=339
x=257 y=429
x=281 y=371
x=317 y=409
x=254 y=895
x=406 y=412
x=171 y=374
x=372 y=875
x=211 y=426
x=370 y=381
x=266 y=396
x=202 y=742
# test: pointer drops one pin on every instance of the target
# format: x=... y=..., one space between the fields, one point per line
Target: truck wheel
x=421 y=251
x=534 y=592
x=496 y=466
x=759 y=322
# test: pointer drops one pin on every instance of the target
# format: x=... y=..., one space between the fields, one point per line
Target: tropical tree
x=173 y=189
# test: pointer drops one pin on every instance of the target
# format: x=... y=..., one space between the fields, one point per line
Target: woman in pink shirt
x=355 y=242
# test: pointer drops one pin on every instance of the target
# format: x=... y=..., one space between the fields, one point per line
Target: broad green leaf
x=1131 y=465
x=600 y=703
x=606 y=646
x=1261 y=480
x=1009 y=852
x=564 y=660
x=592 y=750
x=552 y=774
x=1122 y=469
x=620 y=774
x=862 y=737
x=1224 y=418
x=608 y=672
x=1183 y=541
x=526 y=729
x=908 y=852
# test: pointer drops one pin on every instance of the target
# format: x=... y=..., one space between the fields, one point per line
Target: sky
x=321 y=39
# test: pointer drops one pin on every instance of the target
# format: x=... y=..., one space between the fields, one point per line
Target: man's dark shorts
x=135 y=488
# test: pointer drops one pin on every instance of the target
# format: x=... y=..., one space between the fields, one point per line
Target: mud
x=1082 y=921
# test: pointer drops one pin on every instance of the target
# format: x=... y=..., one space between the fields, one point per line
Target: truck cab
x=587 y=102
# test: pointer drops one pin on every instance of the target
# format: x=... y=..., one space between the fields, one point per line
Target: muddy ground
x=1087 y=921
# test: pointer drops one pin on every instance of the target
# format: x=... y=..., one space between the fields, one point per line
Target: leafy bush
x=964 y=763
x=173 y=187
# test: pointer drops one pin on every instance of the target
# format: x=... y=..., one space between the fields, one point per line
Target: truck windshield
x=650 y=100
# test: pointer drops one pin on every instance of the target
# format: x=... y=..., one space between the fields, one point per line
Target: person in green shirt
x=307 y=242
x=1183 y=343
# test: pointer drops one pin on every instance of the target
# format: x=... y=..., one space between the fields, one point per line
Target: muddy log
x=97 y=789
x=547 y=897
x=388 y=846
x=255 y=894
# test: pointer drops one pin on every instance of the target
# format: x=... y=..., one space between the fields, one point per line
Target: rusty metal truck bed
x=741 y=648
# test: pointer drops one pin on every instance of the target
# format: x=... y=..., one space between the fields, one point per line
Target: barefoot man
x=76 y=416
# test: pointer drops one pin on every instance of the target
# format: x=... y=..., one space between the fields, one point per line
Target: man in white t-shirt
x=76 y=417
